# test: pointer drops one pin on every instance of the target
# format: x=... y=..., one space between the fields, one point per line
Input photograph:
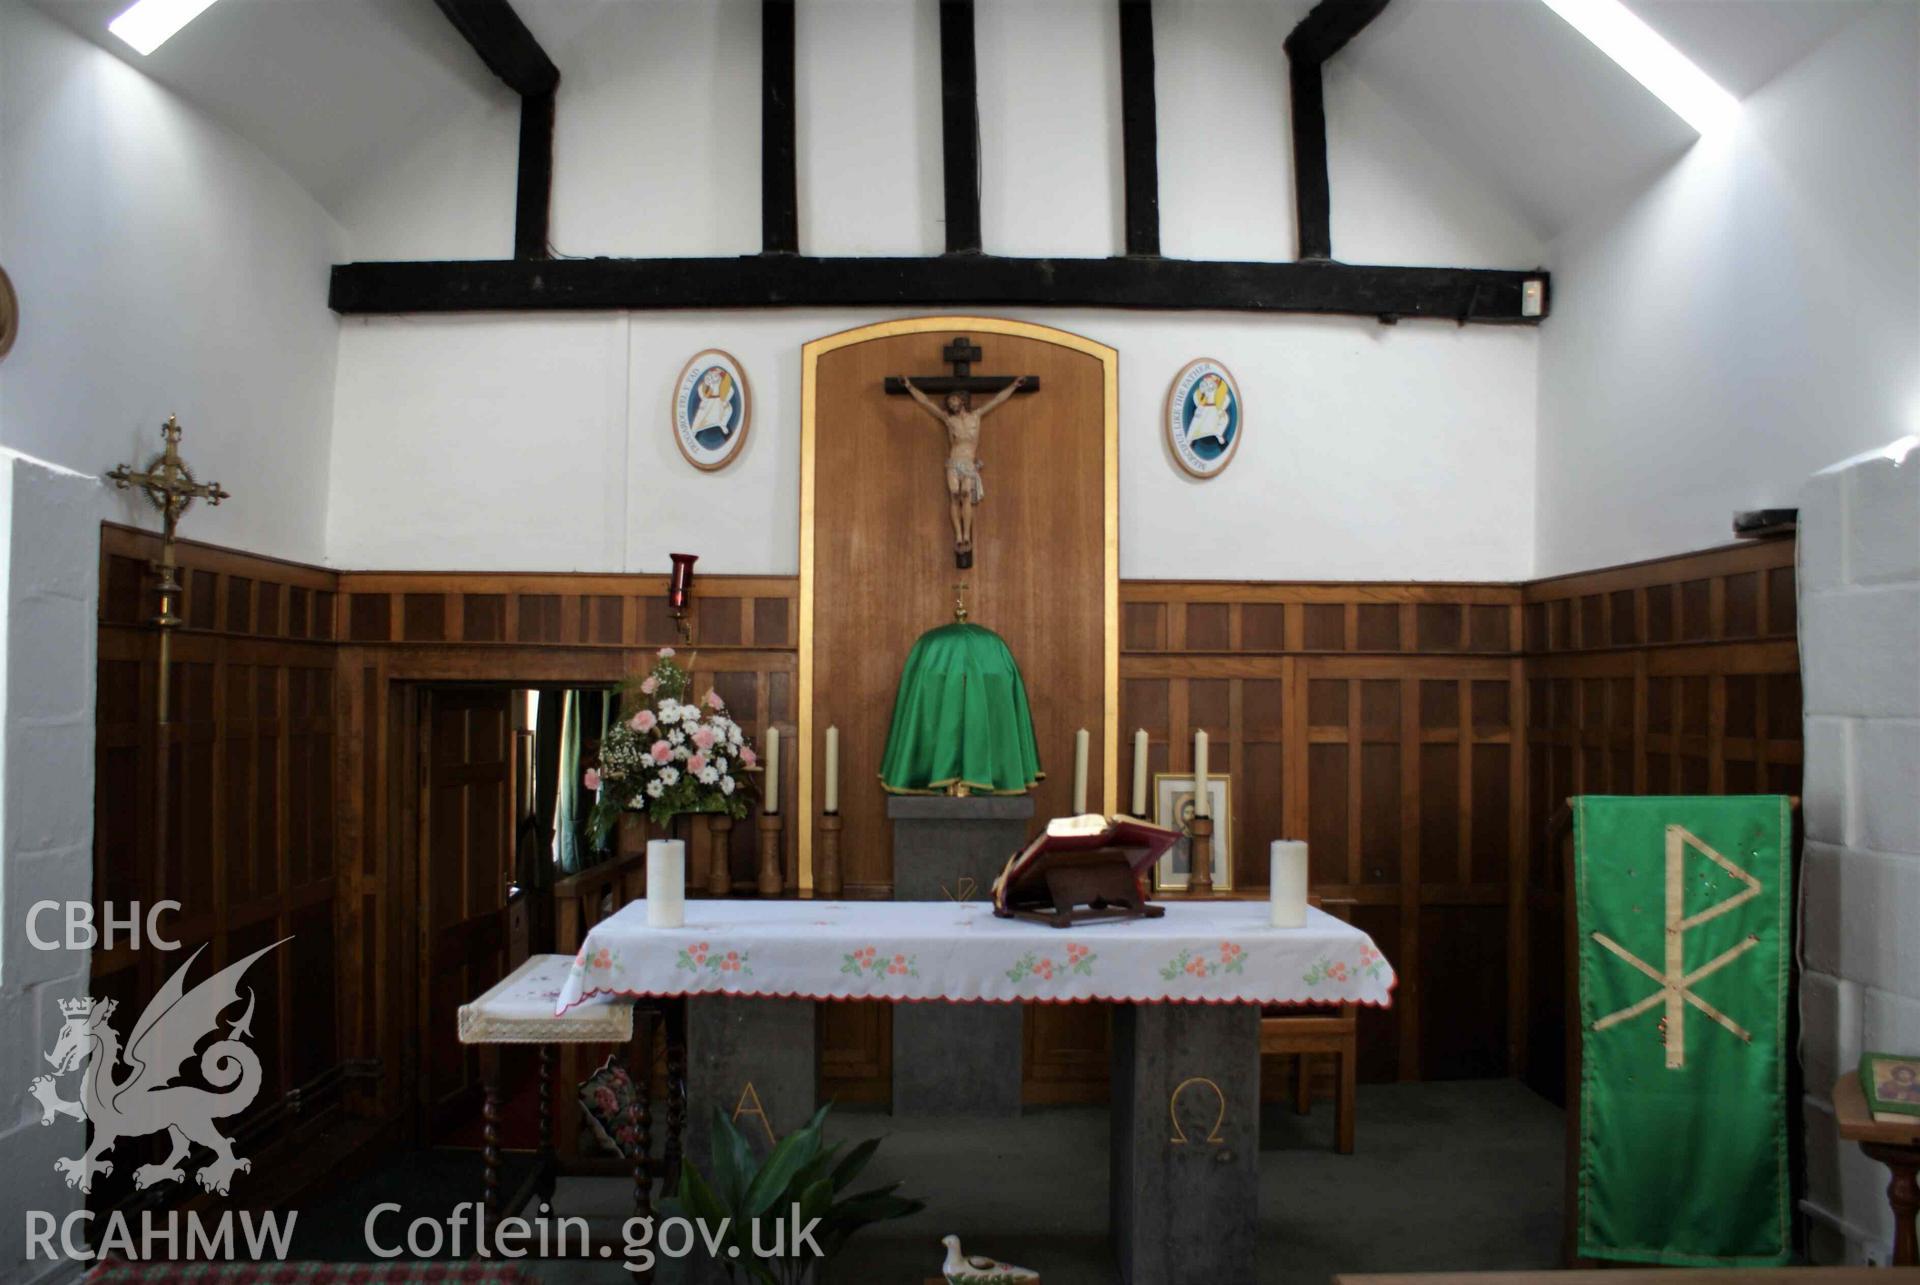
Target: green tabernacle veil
x=960 y=722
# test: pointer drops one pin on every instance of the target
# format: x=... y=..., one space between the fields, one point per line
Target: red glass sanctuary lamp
x=680 y=591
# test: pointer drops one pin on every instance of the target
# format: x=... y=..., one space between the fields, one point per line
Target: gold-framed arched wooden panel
x=877 y=567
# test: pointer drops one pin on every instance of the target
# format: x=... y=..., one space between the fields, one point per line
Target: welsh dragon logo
x=126 y=1093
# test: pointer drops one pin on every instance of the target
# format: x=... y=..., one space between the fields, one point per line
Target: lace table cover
x=1214 y=952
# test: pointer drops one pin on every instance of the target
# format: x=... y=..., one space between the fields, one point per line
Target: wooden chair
x=1300 y=1032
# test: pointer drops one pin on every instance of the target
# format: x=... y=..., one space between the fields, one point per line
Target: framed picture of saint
x=1892 y=1084
x=711 y=409
x=1205 y=417
x=1173 y=796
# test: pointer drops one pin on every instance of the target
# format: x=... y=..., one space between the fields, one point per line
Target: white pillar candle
x=666 y=883
x=1080 y=743
x=1201 y=807
x=833 y=769
x=1140 y=772
x=1287 y=886
x=773 y=771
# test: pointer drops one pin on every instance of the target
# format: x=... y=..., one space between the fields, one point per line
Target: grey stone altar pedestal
x=1184 y=1176
x=956 y=1059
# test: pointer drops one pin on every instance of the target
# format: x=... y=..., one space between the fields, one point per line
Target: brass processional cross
x=170 y=487
x=955 y=410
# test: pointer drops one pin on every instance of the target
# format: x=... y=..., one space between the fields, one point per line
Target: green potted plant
x=801 y=1180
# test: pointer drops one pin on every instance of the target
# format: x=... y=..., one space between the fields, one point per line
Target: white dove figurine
x=971 y=1269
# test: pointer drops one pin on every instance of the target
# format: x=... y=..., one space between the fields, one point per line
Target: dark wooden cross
x=960 y=354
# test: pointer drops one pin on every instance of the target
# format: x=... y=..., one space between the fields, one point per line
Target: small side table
x=1895 y=1144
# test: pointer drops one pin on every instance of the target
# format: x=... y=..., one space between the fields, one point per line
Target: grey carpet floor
x=1447 y=1177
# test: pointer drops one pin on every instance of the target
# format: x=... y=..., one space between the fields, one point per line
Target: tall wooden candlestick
x=1200 y=874
x=826 y=880
x=773 y=880
x=719 y=854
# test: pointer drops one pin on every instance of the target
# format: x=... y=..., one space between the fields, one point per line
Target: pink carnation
x=649 y=684
x=748 y=757
x=703 y=737
x=713 y=700
x=666 y=653
x=661 y=751
x=591 y=780
x=643 y=721
x=697 y=764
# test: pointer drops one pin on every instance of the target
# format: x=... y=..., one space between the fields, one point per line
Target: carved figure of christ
x=964 y=488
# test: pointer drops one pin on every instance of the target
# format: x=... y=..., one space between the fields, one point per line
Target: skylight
x=1646 y=56
x=148 y=24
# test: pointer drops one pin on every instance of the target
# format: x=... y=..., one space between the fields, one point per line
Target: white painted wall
x=1859 y=579
x=490 y=442
x=1752 y=315
x=49 y=558
x=541 y=442
x=164 y=265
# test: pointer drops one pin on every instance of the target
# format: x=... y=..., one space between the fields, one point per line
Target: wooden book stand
x=1081 y=887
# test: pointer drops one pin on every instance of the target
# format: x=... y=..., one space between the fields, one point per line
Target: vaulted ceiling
x=335 y=90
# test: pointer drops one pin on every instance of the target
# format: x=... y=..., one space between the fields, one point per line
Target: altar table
x=738 y=980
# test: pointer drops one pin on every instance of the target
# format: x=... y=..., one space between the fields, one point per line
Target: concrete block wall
x=1859 y=585
x=49 y=557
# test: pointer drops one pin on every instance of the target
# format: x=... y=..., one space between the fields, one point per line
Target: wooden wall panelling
x=249 y=845
x=1676 y=676
x=1375 y=720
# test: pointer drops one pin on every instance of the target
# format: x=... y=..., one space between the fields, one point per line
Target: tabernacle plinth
x=956 y=1059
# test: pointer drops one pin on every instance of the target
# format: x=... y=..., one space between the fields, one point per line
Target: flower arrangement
x=669 y=755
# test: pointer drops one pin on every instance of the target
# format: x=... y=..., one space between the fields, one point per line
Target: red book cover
x=1068 y=838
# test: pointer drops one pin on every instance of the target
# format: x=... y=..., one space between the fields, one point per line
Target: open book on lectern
x=1083 y=868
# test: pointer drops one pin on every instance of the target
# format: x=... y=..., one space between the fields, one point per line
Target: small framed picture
x=1173 y=797
x=1892 y=1083
x=711 y=410
x=1205 y=417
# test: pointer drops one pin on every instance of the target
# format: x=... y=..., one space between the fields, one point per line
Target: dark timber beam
x=1322 y=33
x=504 y=44
x=533 y=190
x=960 y=126
x=511 y=53
x=1389 y=293
x=779 y=181
x=1139 y=128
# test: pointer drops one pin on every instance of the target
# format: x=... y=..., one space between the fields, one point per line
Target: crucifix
x=955 y=411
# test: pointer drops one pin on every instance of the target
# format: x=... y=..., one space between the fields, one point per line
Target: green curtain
x=960 y=718
x=1684 y=936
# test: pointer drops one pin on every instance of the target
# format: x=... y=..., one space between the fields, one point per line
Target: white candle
x=1201 y=807
x=833 y=769
x=1287 y=886
x=773 y=771
x=666 y=883
x=1080 y=742
x=1140 y=772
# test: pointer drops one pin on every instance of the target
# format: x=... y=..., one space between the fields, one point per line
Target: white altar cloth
x=1215 y=952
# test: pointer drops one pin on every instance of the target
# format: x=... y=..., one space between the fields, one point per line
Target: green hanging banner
x=1684 y=919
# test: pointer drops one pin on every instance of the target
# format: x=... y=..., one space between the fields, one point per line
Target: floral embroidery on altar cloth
x=1232 y=958
x=1371 y=964
x=1079 y=960
x=869 y=962
x=698 y=957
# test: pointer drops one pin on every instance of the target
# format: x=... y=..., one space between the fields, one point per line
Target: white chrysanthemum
x=683 y=752
x=655 y=789
x=677 y=737
x=709 y=775
x=669 y=709
x=722 y=765
x=689 y=714
x=669 y=776
x=726 y=785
